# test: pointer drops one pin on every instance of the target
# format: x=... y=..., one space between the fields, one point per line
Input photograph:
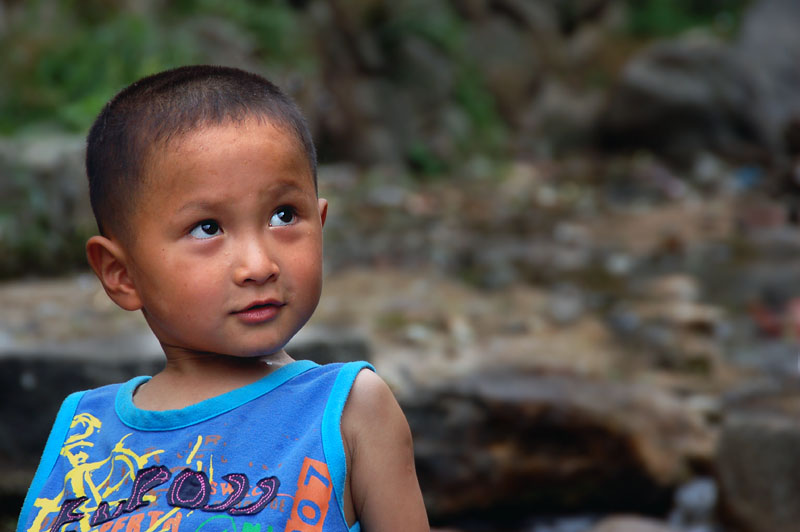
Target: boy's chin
x=242 y=354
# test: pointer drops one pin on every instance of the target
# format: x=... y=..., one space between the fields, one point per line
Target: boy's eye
x=205 y=229
x=282 y=216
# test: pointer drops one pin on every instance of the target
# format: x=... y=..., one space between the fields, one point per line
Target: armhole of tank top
x=332 y=444
x=52 y=450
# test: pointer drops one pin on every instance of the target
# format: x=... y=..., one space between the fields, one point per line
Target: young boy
x=203 y=183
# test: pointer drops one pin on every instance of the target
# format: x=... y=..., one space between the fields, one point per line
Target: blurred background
x=564 y=231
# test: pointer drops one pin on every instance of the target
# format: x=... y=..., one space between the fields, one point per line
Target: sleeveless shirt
x=266 y=457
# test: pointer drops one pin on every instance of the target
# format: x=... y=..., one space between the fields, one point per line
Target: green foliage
x=66 y=58
x=479 y=104
x=64 y=68
x=424 y=162
x=663 y=18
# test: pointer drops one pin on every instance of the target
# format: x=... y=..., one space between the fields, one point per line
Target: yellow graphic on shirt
x=115 y=494
x=123 y=463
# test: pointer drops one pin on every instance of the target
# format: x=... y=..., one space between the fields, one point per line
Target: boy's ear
x=323 y=210
x=109 y=262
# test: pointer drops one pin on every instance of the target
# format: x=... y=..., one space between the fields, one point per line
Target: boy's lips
x=259 y=311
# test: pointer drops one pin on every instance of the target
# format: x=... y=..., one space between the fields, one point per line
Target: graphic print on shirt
x=117 y=493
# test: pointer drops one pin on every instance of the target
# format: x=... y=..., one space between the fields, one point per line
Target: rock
x=769 y=47
x=673 y=287
x=43 y=183
x=689 y=316
x=324 y=345
x=709 y=171
x=223 y=42
x=539 y=18
x=619 y=264
x=695 y=93
x=33 y=387
x=71 y=317
x=558 y=118
x=631 y=524
x=692 y=223
x=422 y=59
x=695 y=503
x=681 y=97
x=757 y=462
x=567 y=304
x=670 y=324
x=533 y=441
x=508 y=62
x=572 y=13
x=561 y=524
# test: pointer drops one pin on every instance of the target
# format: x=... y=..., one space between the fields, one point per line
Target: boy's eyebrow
x=277 y=190
x=196 y=206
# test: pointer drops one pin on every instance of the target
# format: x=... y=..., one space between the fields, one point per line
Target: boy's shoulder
x=371 y=406
x=383 y=484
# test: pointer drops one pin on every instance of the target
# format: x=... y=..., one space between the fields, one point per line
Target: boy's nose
x=254 y=263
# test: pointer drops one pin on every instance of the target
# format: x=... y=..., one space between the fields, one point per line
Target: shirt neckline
x=151 y=420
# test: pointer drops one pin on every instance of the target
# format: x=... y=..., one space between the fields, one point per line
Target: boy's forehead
x=211 y=141
x=207 y=134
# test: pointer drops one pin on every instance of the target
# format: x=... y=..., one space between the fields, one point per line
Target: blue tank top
x=267 y=457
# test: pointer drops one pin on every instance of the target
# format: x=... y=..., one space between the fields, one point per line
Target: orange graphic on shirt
x=312 y=499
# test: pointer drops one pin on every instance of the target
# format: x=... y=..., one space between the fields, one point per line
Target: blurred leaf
x=663 y=18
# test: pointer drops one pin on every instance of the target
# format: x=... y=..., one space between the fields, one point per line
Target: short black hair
x=152 y=111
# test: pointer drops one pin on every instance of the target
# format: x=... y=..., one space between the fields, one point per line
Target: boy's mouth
x=256 y=305
x=259 y=311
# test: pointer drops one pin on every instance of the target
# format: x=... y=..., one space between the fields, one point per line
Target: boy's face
x=226 y=247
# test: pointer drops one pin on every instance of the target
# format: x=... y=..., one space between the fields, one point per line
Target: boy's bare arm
x=383 y=481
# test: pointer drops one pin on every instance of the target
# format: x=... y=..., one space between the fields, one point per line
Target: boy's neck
x=188 y=378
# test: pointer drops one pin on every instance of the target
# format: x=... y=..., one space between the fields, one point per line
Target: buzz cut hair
x=149 y=113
